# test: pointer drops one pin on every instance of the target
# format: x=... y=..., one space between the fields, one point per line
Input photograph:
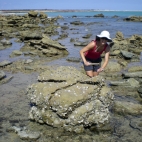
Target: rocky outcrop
x=134 y=18
x=65 y=97
x=99 y=15
x=29 y=27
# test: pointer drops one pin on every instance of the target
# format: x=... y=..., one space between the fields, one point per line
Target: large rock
x=65 y=97
x=26 y=35
x=113 y=66
x=33 y=13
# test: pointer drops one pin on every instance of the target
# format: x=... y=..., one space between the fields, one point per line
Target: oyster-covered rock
x=65 y=97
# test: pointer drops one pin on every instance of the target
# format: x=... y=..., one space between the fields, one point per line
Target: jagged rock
x=42 y=15
x=5 y=63
x=24 y=134
x=136 y=123
x=5 y=80
x=99 y=15
x=72 y=59
x=26 y=35
x=127 y=55
x=119 y=35
x=134 y=18
x=30 y=26
x=67 y=98
x=113 y=67
x=33 y=13
x=47 y=41
x=79 y=43
x=135 y=68
x=16 y=53
x=132 y=74
x=6 y=42
x=77 y=23
x=2 y=74
x=130 y=82
x=87 y=36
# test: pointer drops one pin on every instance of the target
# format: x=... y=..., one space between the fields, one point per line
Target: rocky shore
x=40 y=102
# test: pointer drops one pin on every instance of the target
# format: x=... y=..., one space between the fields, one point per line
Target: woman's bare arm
x=86 y=48
x=106 y=59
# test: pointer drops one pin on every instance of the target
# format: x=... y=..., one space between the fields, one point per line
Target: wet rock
x=80 y=43
x=26 y=135
x=135 y=68
x=119 y=35
x=15 y=53
x=99 y=15
x=47 y=41
x=2 y=74
x=29 y=68
x=140 y=91
x=33 y=13
x=70 y=100
x=130 y=82
x=26 y=35
x=132 y=74
x=77 y=23
x=127 y=55
x=6 y=42
x=113 y=67
x=28 y=61
x=87 y=36
x=30 y=26
x=72 y=59
x=136 y=123
x=42 y=15
x=125 y=108
x=134 y=18
x=5 y=63
x=6 y=80
x=1 y=46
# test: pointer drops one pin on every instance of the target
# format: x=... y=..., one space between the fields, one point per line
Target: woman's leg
x=95 y=73
x=95 y=68
x=90 y=73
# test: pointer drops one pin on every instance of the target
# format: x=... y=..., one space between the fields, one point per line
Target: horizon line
x=65 y=10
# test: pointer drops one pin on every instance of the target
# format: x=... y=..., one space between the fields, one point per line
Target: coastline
x=64 y=10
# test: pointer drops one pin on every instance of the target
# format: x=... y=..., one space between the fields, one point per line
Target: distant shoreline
x=57 y=10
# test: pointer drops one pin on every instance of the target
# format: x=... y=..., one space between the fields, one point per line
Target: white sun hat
x=105 y=34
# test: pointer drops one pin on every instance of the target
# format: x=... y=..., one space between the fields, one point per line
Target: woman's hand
x=87 y=63
x=100 y=70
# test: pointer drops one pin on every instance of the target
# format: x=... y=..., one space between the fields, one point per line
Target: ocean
x=92 y=13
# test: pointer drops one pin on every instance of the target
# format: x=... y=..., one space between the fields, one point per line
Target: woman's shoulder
x=93 y=42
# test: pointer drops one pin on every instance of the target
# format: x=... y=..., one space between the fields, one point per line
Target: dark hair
x=97 y=38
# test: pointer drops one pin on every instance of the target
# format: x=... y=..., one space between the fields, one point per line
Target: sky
x=72 y=4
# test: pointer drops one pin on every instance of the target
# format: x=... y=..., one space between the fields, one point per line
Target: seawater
x=92 y=13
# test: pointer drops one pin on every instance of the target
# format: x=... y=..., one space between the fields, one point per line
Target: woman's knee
x=90 y=74
x=95 y=73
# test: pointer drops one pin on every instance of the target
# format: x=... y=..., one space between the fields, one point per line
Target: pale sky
x=72 y=4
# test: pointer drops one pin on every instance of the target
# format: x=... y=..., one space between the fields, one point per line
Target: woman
x=92 y=54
